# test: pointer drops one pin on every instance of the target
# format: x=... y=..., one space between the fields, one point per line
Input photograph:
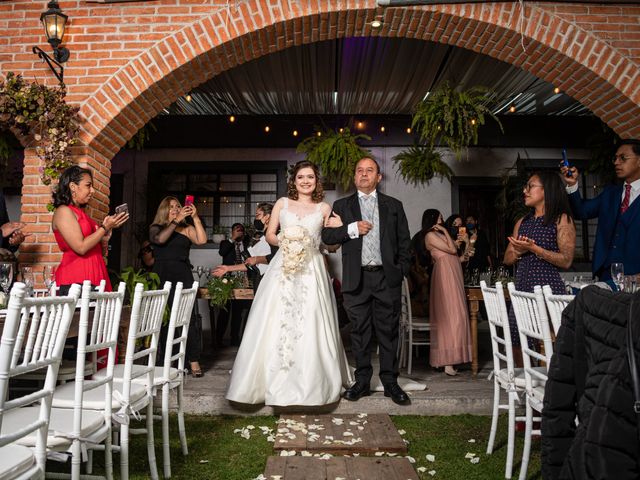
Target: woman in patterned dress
x=543 y=241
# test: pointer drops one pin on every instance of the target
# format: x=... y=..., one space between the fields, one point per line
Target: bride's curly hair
x=318 y=193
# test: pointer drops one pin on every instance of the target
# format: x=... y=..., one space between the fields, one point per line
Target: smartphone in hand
x=124 y=208
x=462 y=230
x=565 y=162
x=188 y=200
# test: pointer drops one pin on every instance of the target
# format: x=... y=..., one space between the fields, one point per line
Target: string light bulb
x=267 y=129
x=473 y=121
x=556 y=90
x=341 y=129
x=382 y=128
x=512 y=108
x=408 y=129
x=376 y=23
x=319 y=134
x=360 y=125
x=232 y=119
x=188 y=97
x=295 y=133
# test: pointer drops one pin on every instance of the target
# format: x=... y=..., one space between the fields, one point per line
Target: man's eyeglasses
x=623 y=158
x=529 y=186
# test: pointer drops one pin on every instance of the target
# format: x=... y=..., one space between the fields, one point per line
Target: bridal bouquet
x=295 y=243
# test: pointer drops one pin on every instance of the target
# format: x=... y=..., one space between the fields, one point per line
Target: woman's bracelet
x=174 y=223
x=106 y=230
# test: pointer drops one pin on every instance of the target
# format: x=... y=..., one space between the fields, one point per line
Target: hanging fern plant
x=419 y=164
x=453 y=116
x=335 y=153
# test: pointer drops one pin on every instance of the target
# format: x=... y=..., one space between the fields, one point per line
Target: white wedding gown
x=291 y=351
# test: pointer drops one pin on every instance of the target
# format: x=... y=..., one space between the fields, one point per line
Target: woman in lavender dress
x=543 y=241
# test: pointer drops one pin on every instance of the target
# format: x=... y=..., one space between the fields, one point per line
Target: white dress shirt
x=635 y=190
x=352 y=229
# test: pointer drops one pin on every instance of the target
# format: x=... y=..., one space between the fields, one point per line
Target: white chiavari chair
x=33 y=337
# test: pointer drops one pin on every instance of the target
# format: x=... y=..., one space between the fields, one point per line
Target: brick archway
x=551 y=46
x=164 y=48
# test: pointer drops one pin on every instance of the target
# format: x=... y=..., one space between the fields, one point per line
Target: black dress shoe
x=398 y=395
x=356 y=391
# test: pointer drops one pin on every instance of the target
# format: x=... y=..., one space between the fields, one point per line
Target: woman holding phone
x=79 y=237
x=172 y=238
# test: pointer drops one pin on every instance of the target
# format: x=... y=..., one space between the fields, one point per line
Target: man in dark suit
x=12 y=235
x=231 y=252
x=373 y=231
x=618 y=212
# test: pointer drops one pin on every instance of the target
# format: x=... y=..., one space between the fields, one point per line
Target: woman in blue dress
x=543 y=241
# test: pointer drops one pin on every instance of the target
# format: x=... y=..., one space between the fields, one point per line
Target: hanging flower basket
x=41 y=113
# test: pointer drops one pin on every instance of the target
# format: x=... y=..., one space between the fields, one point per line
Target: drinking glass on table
x=27 y=279
x=617 y=274
x=6 y=276
x=49 y=274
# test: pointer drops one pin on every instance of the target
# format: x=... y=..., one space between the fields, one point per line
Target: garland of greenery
x=41 y=112
x=335 y=153
x=420 y=163
x=453 y=116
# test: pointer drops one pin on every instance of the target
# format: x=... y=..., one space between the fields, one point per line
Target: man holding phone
x=617 y=210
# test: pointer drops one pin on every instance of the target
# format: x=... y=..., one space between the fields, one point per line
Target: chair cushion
x=94 y=399
x=61 y=421
x=118 y=373
x=15 y=459
x=520 y=382
x=67 y=371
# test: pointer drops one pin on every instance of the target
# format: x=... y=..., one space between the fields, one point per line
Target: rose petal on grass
x=431 y=472
x=203 y=461
x=475 y=460
x=470 y=455
x=431 y=458
x=402 y=432
x=472 y=440
x=410 y=458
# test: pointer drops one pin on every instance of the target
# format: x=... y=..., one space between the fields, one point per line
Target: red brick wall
x=130 y=60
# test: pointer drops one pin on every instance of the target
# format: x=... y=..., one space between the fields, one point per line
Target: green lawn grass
x=217 y=453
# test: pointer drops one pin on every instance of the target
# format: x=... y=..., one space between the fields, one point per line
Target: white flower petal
x=402 y=432
x=470 y=455
x=422 y=469
x=475 y=460
x=411 y=459
x=379 y=454
x=431 y=458
x=431 y=472
x=472 y=440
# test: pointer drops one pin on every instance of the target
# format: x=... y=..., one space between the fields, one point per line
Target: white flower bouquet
x=294 y=243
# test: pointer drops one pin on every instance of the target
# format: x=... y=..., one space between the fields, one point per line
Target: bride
x=291 y=352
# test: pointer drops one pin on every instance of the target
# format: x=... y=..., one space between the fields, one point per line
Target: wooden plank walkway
x=347 y=468
x=339 y=434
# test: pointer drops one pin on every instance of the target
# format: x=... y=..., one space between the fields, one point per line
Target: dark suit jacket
x=4 y=218
x=227 y=251
x=394 y=240
x=605 y=208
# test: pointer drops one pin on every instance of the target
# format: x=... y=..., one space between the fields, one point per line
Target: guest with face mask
x=481 y=259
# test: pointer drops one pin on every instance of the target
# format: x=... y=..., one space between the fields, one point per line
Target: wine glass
x=49 y=274
x=617 y=274
x=27 y=278
x=6 y=276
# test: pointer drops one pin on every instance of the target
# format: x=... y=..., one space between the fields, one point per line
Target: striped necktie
x=627 y=197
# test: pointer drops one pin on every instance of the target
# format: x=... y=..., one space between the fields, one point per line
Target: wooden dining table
x=474 y=297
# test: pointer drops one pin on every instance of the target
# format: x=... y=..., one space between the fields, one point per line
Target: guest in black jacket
x=231 y=252
x=589 y=378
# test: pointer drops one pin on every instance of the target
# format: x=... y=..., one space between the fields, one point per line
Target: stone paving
x=445 y=395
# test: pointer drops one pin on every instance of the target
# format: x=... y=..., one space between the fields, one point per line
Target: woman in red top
x=79 y=237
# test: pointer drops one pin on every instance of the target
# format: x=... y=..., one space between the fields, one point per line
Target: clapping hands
x=522 y=244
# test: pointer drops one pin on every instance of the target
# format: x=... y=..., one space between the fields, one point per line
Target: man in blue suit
x=618 y=211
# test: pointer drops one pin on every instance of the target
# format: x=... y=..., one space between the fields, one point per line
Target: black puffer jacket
x=589 y=377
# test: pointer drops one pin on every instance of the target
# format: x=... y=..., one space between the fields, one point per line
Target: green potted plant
x=419 y=164
x=453 y=116
x=130 y=276
x=220 y=290
x=335 y=153
x=218 y=233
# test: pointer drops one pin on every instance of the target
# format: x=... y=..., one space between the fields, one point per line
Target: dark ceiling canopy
x=406 y=3
x=367 y=75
